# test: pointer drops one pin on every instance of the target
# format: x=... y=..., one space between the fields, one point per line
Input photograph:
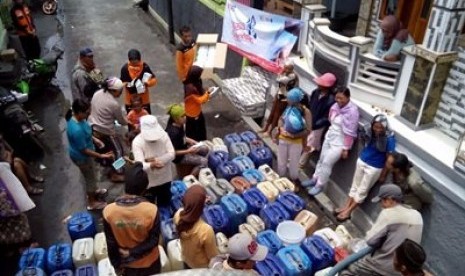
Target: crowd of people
x=326 y=124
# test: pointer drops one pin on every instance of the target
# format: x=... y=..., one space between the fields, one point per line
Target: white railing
x=330 y=43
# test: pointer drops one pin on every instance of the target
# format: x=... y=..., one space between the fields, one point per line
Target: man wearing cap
x=153 y=148
x=243 y=252
x=132 y=228
x=395 y=223
x=85 y=78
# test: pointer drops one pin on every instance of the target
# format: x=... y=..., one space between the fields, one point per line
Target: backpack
x=294 y=121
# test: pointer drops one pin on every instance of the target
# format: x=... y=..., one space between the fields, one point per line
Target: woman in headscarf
x=194 y=96
x=379 y=143
x=197 y=237
x=132 y=72
x=391 y=38
x=339 y=138
x=187 y=150
x=294 y=126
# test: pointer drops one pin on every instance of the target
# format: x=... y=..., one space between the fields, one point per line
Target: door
x=414 y=15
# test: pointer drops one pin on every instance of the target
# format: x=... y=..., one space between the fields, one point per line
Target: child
x=136 y=112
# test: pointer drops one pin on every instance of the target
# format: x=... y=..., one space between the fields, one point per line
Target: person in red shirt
x=24 y=24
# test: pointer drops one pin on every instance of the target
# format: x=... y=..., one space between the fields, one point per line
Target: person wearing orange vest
x=132 y=227
x=24 y=24
x=185 y=53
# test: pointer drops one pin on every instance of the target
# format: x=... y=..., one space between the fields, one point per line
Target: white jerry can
x=165 y=262
x=206 y=177
x=256 y=222
x=344 y=234
x=219 y=145
x=175 y=255
x=100 y=247
x=268 y=172
x=222 y=243
x=308 y=220
x=330 y=237
x=83 y=252
x=190 y=180
x=246 y=228
x=284 y=184
x=105 y=268
x=269 y=190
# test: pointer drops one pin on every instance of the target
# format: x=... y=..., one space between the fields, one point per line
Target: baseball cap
x=242 y=247
x=388 y=191
x=115 y=83
x=86 y=52
x=150 y=129
x=325 y=80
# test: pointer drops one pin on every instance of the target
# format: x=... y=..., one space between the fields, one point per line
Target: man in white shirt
x=153 y=148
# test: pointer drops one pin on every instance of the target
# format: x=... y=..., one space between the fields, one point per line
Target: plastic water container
x=321 y=254
x=284 y=185
x=191 y=180
x=176 y=203
x=248 y=136
x=331 y=237
x=236 y=209
x=308 y=220
x=81 y=225
x=240 y=184
x=356 y=245
x=216 y=217
x=256 y=222
x=59 y=257
x=66 y=272
x=273 y=214
x=168 y=231
x=269 y=190
x=224 y=185
x=32 y=257
x=244 y=163
x=271 y=265
x=217 y=141
x=270 y=239
x=178 y=187
x=231 y=138
x=295 y=261
x=105 y=268
x=292 y=202
x=83 y=252
x=261 y=156
x=340 y=253
x=209 y=145
x=268 y=172
x=228 y=170
x=254 y=199
x=165 y=262
x=216 y=158
x=31 y=271
x=87 y=270
x=222 y=243
x=165 y=213
x=290 y=232
x=254 y=176
x=175 y=255
x=206 y=177
x=255 y=144
x=246 y=228
x=100 y=247
x=344 y=234
x=212 y=196
x=238 y=149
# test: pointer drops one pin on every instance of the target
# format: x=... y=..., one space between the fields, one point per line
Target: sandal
x=96 y=206
x=342 y=219
x=35 y=191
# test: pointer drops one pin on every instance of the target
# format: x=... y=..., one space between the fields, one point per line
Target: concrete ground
x=110 y=28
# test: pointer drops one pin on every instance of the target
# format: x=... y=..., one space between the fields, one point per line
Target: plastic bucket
x=290 y=232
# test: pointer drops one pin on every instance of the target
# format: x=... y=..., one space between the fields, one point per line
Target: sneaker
x=308 y=183
x=315 y=190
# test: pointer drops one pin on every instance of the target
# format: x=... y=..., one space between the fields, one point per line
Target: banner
x=264 y=38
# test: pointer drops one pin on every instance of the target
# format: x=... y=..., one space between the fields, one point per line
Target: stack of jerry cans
x=33 y=257
x=100 y=247
x=295 y=261
x=254 y=199
x=270 y=239
x=273 y=214
x=320 y=253
x=83 y=252
x=292 y=202
x=59 y=257
x=81 y=225
x=215 y=216
x=236 y=210
x=271 y=265
x=254 y=176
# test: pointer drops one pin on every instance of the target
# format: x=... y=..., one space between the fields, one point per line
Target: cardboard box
x=211 y=54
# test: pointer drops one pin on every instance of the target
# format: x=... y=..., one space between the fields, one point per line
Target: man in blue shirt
x=82 y=151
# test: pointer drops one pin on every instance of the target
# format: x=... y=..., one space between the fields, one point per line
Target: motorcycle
x=49 y=7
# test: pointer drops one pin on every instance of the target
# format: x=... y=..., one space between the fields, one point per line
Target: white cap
x=242 y=247
x=150 y=129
